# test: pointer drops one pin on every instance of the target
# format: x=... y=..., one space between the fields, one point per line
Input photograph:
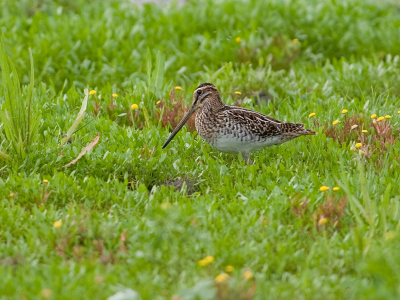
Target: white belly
x=231 y=144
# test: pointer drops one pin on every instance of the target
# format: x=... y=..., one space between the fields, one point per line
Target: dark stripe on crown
x=204 y=84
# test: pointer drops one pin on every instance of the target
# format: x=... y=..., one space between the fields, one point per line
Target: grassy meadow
x=314 y=218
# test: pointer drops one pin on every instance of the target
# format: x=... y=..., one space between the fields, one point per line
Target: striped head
x=206 y=94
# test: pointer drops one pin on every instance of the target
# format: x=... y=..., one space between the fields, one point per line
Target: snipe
x=234 y=129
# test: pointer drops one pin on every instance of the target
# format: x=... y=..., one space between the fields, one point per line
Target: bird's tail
x=310 y=132
x=296 y=129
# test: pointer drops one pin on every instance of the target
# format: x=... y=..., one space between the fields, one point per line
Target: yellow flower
x=365 y=131
x=361 y=152
x=358 y=145
x=344 y=111
x=92 y=92
x=335 y=122
x=354 y=126
x=238 y=93
x=209 y=259
x=221 y=277
x=373 y=116
x=335 y=188
x=202 y=263
x=12 y=195
x=380 y=119
x=46 y=293
x=115 y=95
x=324 y=188
x=322 y=221
x=352 y=148
x=45 y=181
x=387 y=117
x=248 y=275
x=311 y=115
x=134 y=106
x=165 y=205
x=57 y=224
x=389 y=235
x=205 y=261
x=178 y=87
x=229 y=269
x=238 y=39
x=295 y=41
x=158 y=102
x=398 y=112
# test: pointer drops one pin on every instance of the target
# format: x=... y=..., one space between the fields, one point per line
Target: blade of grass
x=146 y=116
x=158 y=73
x=30 y=96
x=5 y=156
x=370 y=207
x=213 y=76
x=83 y=126
x=16 y=95
x=5 y=74
x=355 y=205
x=149 y=66
x=78 y=120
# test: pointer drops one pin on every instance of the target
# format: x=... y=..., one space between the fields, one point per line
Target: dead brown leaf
x=45 y=196
x=84 y=150
x=97 y=107
x=111 y=107
x=333 y=210
x=174 y=116
x=123 y=247
x=351 y=132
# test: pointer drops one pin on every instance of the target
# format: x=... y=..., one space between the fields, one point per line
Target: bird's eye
x=199 y=92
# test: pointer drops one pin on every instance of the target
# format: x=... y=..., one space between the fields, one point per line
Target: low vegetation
x=92 y=207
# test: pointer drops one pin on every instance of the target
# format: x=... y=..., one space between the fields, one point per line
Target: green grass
x=123 y=228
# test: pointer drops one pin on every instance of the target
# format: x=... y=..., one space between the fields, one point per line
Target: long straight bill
x=180 y=125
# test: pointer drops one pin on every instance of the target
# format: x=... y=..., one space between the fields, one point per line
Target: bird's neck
x=212 y=106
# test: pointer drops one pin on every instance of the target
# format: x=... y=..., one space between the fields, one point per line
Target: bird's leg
x=247 y=159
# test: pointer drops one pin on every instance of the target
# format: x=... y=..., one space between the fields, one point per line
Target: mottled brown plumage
x=234 y=129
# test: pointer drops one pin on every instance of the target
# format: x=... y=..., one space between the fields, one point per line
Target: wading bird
x=234 y=129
